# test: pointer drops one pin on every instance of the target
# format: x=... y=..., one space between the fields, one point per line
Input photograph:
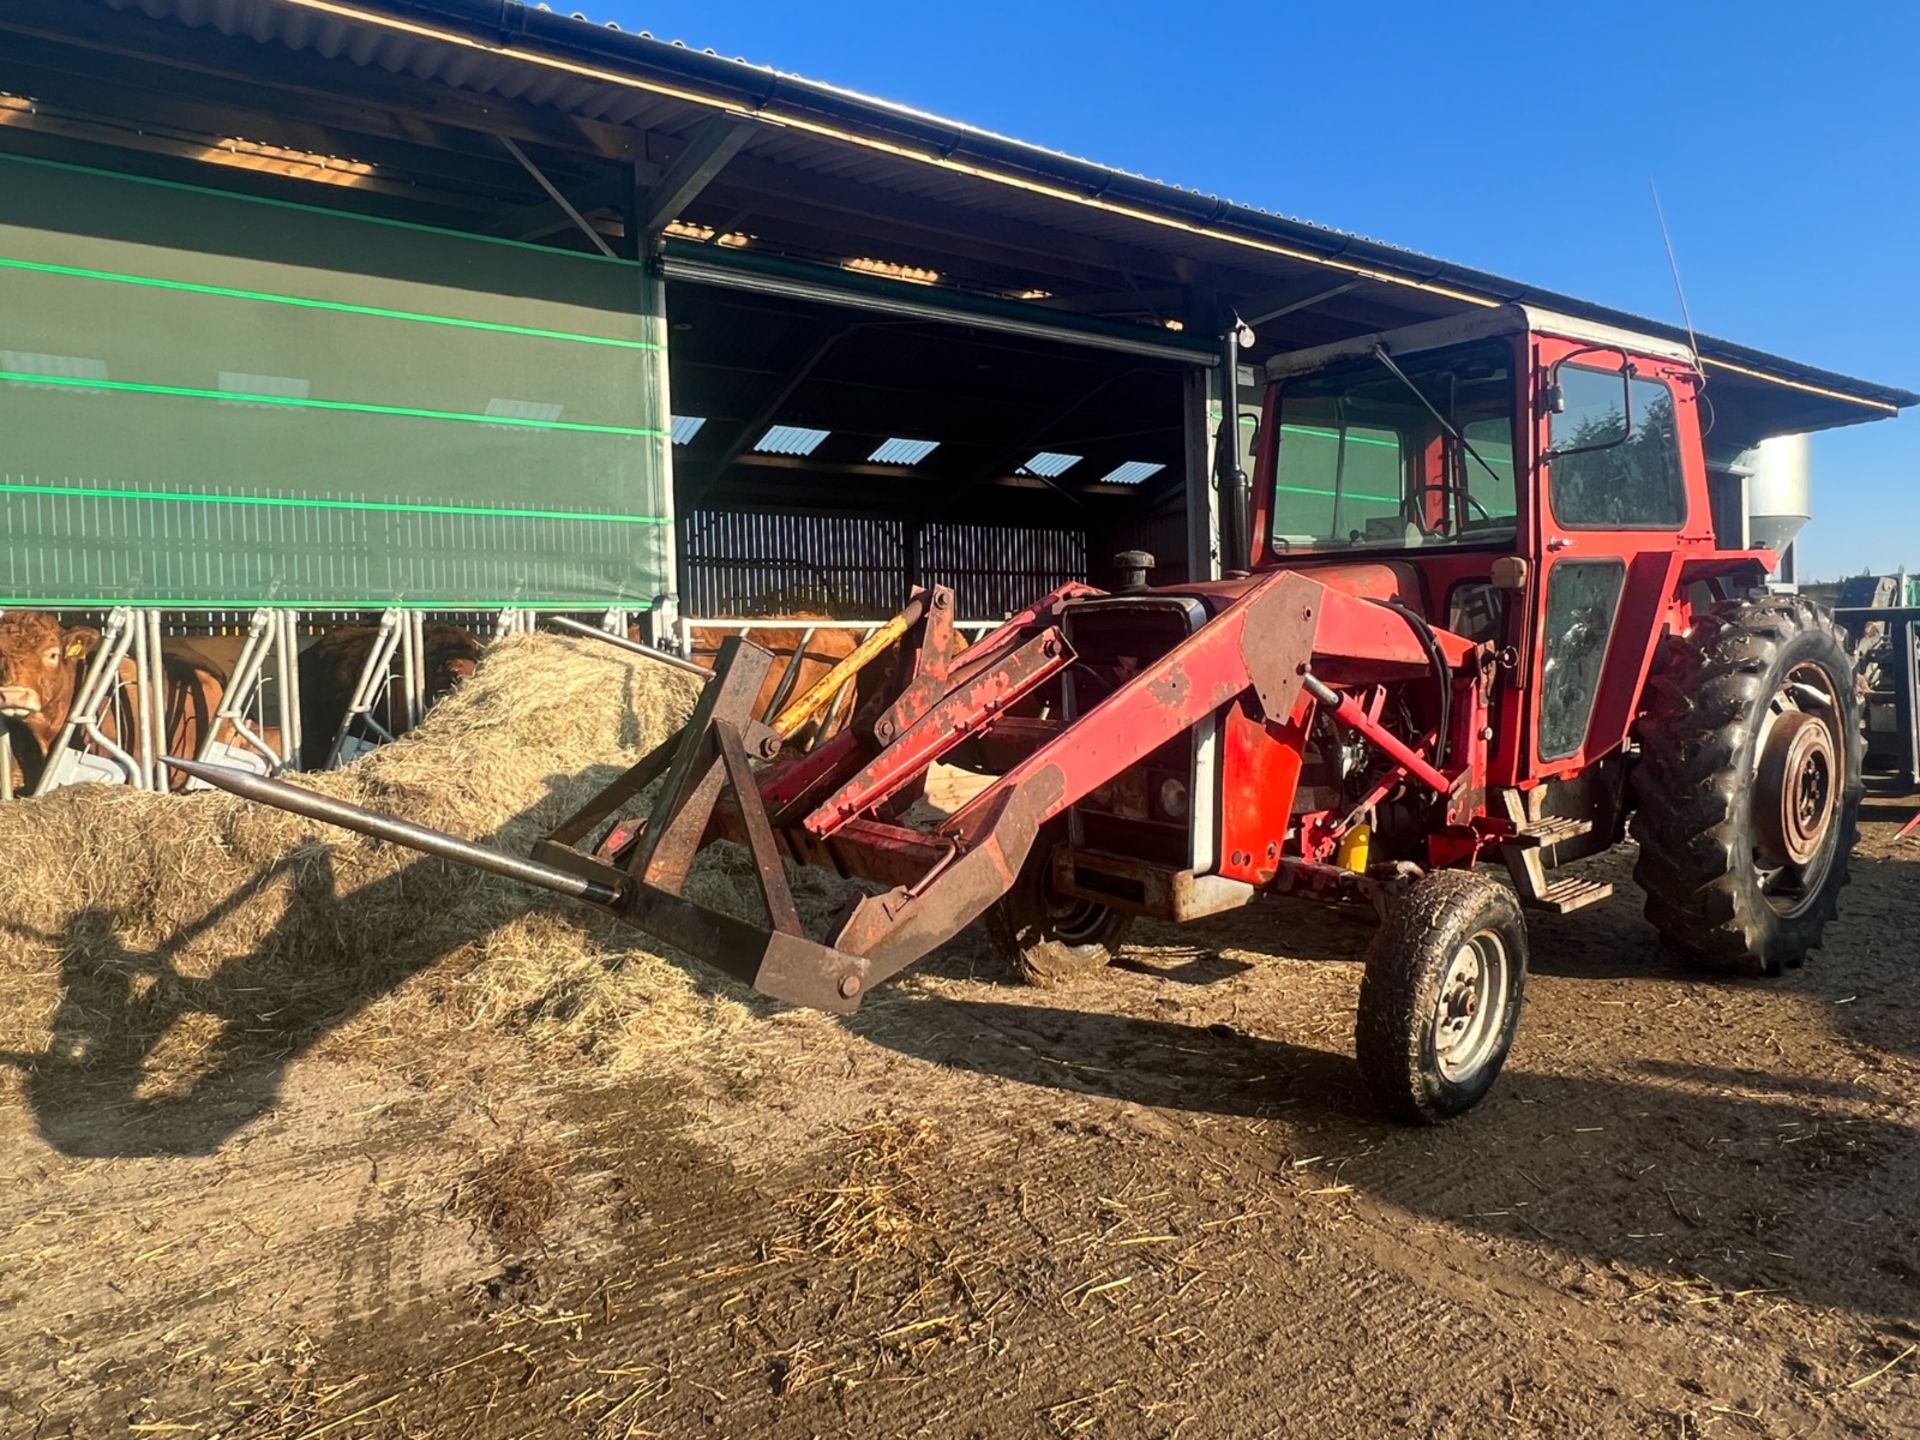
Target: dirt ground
x=1157 y=1206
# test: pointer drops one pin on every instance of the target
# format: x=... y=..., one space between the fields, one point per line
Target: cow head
x=40 y=666
x=453 y=654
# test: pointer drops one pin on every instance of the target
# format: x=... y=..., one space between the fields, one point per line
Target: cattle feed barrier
x=129 y=637
x=272 y=635
x=127 y=670
x=400 y=634
x=514 y=622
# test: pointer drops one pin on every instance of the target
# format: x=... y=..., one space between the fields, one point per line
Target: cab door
x=1622 y=502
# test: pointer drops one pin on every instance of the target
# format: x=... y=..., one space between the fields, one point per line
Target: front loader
x=1484 y=620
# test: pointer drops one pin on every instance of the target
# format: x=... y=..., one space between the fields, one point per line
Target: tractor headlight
x=1173 y=799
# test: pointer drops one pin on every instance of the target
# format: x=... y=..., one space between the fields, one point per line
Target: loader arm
x=1286 y=641
x=1287 y=627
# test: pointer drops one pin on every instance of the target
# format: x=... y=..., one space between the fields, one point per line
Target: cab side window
x=1599 y=480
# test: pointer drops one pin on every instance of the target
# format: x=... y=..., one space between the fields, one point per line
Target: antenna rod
x=1693 y=341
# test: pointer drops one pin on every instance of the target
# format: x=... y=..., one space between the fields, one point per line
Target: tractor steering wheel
x=1416 y=502
x=1412 y=507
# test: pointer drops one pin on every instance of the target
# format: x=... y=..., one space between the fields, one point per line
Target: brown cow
x=330 y=669
x=40 y=668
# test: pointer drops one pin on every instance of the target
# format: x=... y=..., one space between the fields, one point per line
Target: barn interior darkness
x=826 y=458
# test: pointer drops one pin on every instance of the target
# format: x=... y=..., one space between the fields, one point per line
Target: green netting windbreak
x=213 y=400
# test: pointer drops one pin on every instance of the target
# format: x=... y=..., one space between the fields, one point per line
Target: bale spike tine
x=632 y=647
x=371 y=823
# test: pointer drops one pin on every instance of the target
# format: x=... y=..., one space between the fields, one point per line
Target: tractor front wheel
x=1440 y=999
x=1748 y=785
x=1049 y=939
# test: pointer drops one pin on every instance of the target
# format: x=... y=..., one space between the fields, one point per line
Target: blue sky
x=1516 y=138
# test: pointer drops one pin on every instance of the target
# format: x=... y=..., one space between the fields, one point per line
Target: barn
x=401 y=312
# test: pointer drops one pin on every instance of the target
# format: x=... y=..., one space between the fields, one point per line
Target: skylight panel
x=685 y=427
x=1050 y=464
x=1132 y=472
x=791 y=440
x=903 y=452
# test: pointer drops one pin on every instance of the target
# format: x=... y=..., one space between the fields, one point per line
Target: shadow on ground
x=1731 y=1176
x=94 y=1092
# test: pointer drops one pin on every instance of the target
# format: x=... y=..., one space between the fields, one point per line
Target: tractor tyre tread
x=1025 y=928
x=1049 y=964
x=1693 y=816
x=1405 y=968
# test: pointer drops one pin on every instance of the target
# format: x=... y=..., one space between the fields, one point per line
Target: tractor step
x=1549 y=831
x=1567 y=894
x=1529 y=853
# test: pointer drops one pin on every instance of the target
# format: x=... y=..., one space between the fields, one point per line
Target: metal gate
x=994 y=570
x=746 y=563
x=753 y=565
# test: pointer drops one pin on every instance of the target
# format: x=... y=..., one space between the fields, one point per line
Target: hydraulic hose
x=1442 y=676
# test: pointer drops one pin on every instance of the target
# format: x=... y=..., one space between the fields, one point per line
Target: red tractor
x=1483 y=617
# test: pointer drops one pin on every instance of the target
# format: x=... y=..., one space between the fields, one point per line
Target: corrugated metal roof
x=928 y=117
x=534 y=56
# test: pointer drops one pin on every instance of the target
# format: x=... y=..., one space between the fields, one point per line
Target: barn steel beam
x=1199 y=398
x=1261 y=309
x=708 y=150
x=553 y=193
x=843 y=208
x=110 y=88
x=822 y=284
x=807 y=465
x=761 y=488
x=62 y=134
x=992 y=434
x=1156 y=302
x=532 y=222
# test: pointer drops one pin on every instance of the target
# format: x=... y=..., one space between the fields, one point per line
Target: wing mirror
x=1585 y=415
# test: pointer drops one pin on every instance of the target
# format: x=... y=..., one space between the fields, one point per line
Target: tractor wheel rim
x=1469 y=1014
x=1807 y=807
x=1798 y=780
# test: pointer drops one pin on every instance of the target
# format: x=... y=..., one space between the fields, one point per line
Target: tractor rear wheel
x=1441 y=996
x=1748 y=785
x=1049 y=939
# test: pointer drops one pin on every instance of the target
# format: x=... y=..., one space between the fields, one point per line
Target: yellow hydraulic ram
x=828 y=685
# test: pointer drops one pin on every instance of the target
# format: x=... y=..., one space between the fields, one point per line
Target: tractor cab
x=1532 y=482
x=1432 y=436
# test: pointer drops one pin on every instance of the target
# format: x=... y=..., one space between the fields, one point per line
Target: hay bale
x=125 y=914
